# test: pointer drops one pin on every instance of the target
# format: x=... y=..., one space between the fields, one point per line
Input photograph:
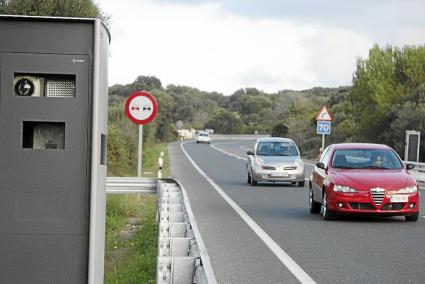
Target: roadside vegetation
x=131 y=239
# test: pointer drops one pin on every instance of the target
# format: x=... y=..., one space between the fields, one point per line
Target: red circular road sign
x=141 y=107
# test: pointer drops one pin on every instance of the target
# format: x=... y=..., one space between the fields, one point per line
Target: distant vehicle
x=363 y=179
x=275 y=159
x=203 y=137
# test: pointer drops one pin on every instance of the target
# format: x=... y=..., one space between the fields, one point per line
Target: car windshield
x=203 y=134
x=277 y=149
x=366 y=159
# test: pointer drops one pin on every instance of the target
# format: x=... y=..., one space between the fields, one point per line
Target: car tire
x=249 y=179
x=326 y=213
x=197 y=142
x=412 y=218
x=314 y=206
x=253 y=181
x=301 y=183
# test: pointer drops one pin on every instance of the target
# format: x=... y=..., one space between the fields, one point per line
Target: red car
x=363 y=179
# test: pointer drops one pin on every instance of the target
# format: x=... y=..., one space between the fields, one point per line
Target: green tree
x=147 y=83
x=279 y=130
x=409 y=115
x=2 y=6
x=56 y=8
x=225 y=122
x=389 y=80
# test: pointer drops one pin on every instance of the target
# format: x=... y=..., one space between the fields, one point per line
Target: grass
x=131 y=230
x=131 y=239
x=150 y=160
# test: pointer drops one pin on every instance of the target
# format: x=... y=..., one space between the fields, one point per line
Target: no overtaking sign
x=141 y=107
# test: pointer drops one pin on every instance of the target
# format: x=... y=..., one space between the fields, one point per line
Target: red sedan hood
x=367 y=179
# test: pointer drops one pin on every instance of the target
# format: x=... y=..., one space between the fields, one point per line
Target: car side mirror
x=410 y=166
x=320 y=165
x=250 y=153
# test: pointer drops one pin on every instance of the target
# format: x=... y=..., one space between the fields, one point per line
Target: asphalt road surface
x=265 y=234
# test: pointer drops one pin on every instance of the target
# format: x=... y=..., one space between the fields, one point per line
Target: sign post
x=141 y=108
x=323 y=119
x=139 y=151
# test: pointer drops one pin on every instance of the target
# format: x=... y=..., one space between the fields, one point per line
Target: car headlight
x=409 y=189
x=267 y=167
x=343 y=188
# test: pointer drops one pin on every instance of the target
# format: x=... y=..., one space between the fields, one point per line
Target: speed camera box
x=53 y=126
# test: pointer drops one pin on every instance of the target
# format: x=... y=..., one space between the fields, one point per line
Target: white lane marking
x=292 y=266
x=214 y=146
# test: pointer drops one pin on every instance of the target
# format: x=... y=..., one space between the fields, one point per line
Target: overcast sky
x=225 y=45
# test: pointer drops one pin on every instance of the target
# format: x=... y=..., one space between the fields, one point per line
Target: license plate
x=278 y=174
x=398 y=198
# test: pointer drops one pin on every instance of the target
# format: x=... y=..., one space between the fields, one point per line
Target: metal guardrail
x=182 y=256
x=128 y=185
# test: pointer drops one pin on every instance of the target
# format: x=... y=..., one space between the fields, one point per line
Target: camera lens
x=24 y=87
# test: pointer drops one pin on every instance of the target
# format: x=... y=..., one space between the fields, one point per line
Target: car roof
x=274 y=139
x=360 y=146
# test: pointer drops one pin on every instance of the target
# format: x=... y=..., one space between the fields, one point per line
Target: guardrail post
x=160 y=164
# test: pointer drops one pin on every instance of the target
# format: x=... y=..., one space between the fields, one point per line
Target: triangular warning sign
x=324 y=114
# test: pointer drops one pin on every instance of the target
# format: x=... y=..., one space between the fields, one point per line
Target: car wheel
x=253 y=181
x=197 y=142
x=412 y=218
x=301 y=183
x=314 y=206
x=249 y=178
x=326 y=213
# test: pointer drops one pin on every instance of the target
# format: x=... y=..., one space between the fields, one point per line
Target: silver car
x=275 y=159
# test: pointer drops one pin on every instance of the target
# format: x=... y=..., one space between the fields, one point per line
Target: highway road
x=265 y=234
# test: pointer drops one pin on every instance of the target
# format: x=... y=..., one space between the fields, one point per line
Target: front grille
x=393 y=206
x=378 y=195
x=361 y=206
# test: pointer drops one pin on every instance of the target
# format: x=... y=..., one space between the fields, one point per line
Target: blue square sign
x=323 y=127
